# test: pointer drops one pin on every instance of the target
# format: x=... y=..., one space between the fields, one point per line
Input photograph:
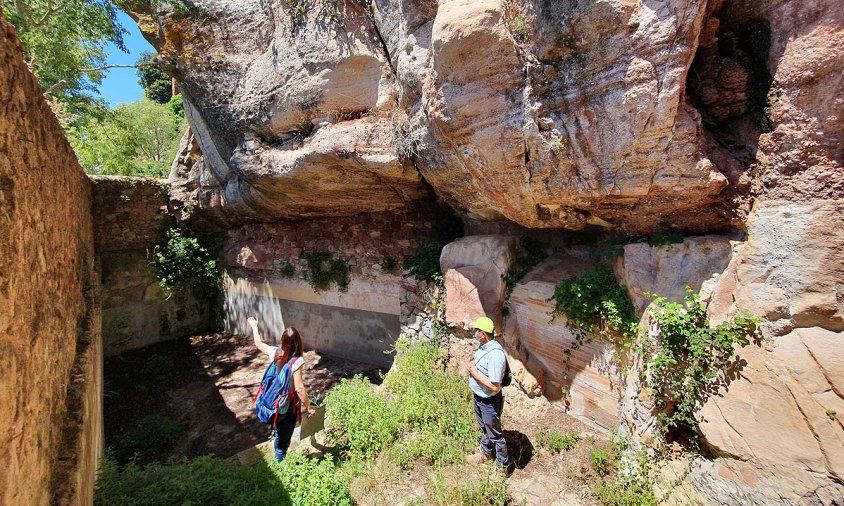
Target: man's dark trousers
x=488 y=414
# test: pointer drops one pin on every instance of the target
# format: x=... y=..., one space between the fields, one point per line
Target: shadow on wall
x=344 y=332
x=252 y=299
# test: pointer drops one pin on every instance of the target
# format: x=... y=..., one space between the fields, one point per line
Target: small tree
x=64 y=43
x=137 y=139
x=156 y=83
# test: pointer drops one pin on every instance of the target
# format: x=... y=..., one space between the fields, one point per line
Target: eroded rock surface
x=502 y=112
x=474 y=268
x=618 y=114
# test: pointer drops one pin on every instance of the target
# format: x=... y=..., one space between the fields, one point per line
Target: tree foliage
x=64 y=44
x=156 y=83
x=137 y=139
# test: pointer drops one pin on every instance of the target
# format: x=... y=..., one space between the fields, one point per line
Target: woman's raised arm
x=256 y=336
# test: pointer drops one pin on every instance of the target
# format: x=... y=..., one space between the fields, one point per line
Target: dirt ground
x=206 y=383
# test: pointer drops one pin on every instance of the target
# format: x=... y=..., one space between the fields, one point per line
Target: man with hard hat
x=486 y=373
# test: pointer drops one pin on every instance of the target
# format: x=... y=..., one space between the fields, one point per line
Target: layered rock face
x=616 y=114
x=331 y=108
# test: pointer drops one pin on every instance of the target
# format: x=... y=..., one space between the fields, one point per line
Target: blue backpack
x=276 y=394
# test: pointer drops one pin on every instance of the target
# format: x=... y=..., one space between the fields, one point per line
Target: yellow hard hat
x=483 y=323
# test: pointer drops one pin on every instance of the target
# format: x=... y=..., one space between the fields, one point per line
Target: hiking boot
x=505 y=471
x=479 y=458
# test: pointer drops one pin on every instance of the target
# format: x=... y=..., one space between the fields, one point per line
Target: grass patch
x=211 y=481
x=362 y=422
x=151 y=439
x=555 y=442
x=485 y=491
x=425 y=415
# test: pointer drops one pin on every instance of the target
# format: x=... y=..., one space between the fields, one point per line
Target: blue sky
x=121 y=85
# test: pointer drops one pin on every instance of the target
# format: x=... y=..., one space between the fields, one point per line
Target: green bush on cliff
x=688 y=357
x=184 y=262
x=325 y=271
x=597 y=303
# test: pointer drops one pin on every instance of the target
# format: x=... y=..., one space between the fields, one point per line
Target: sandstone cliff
x=616 y=115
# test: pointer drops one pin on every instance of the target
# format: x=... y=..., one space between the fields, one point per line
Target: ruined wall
x=130 y=218
x=268 y=277
x=50 y=345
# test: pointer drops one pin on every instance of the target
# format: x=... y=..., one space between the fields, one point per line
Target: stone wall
x=130 y=218
x=50 y=387
x=131 y=212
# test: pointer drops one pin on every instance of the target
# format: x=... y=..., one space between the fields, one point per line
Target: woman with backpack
x=285 y=359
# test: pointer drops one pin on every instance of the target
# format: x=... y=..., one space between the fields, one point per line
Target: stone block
x=474 y=268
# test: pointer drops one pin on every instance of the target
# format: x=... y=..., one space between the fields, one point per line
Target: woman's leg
x=284 y=426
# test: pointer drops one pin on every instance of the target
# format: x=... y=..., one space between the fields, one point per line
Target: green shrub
x=360 y=420
x=182 y=261
x=325 y=271
x=286 y=270
x=832 y=414
x=430 y=399
x=428 y=417
x=600 y=461
x=597 y=303
x=613 y=493
x=556 y=442
x=688 y=357
x=152 y=438
x=312 y=482
x=177 y=107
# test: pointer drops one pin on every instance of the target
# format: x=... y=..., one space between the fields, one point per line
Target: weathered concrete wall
x=50 y=349
x=130 y=218
x=360 y=324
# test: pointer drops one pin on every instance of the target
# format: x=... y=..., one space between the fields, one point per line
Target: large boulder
x=502 y=112
x=474 y=268
x=275 y=101
x=670 y=270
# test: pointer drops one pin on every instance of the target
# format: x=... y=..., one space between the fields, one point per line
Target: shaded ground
x=200 y=390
